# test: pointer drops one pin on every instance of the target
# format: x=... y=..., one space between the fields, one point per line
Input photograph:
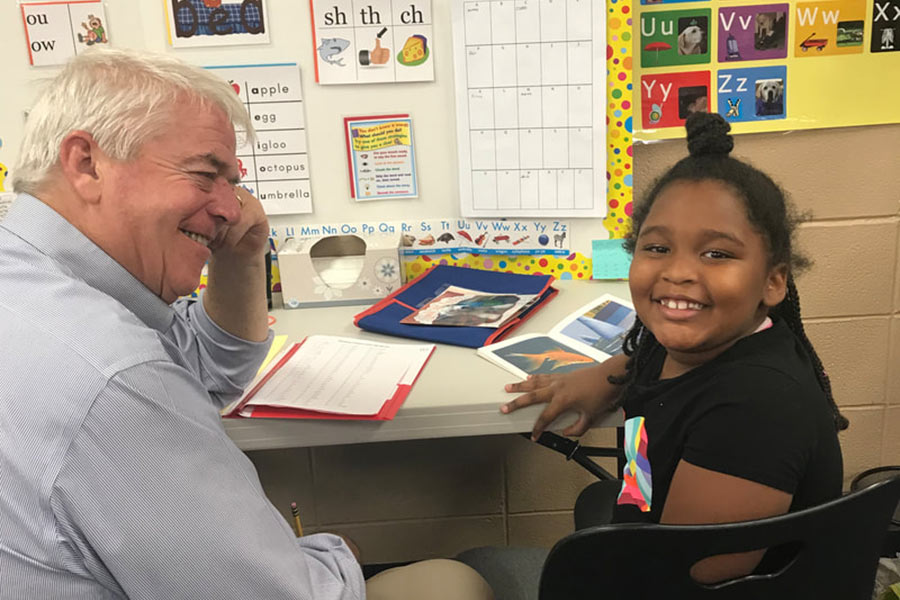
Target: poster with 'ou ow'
x=765 y=66
x=56 y=31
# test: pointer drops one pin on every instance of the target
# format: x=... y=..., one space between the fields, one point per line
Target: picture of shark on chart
x=330 y=50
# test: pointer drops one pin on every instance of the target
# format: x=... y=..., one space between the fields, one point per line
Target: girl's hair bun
x=707 y=135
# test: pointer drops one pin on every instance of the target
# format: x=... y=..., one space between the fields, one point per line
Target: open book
x=588 y=336
x=333 y=377
x=461 y=307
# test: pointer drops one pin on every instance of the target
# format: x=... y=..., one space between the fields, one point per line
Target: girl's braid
x=789 y=310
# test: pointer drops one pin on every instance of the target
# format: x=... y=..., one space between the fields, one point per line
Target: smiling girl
x=729 y=413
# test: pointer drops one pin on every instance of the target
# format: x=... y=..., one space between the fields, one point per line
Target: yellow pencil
x=298 y=528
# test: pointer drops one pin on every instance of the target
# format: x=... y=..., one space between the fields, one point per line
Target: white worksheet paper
x=342 y=375
x=530 y=103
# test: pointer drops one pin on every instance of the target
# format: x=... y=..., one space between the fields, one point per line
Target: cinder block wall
x=849 y=179
x=412 y=500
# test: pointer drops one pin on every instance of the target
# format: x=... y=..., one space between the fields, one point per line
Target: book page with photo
x=461 y=307
x=585 y=337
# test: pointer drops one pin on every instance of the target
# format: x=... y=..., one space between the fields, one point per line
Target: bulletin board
x=143 y=24
x=766 y=66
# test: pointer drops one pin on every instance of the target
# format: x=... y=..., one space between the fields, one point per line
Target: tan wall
x=411 y=500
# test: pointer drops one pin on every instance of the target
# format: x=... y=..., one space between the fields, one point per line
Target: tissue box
x=338 y=269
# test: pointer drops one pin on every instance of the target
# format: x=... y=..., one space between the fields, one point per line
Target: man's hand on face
x=249 y=237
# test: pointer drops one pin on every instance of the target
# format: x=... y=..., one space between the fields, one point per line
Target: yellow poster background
x=832 y=87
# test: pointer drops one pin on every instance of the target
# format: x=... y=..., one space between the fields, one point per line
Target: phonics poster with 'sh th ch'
x=372 y=41
x=531 y=98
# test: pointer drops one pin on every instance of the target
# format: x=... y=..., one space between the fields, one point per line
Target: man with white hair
x=117 y=479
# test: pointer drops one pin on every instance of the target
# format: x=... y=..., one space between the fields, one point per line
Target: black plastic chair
x=839 y=544
x=891 y=545
x=596 y=502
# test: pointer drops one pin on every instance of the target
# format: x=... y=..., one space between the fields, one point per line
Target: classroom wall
x=410 y=500
x=140 y=24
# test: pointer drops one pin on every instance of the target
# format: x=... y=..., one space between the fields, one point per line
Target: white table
x=458 y=394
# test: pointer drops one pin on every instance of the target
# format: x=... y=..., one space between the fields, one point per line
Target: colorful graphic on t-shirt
x=637 y=485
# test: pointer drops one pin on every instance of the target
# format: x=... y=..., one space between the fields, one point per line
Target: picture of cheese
x=414 y=51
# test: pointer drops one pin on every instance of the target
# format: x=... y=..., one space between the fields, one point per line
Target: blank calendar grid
x=529 y=67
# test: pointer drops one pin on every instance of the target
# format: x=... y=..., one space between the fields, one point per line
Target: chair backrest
x=839 y=546
x=870 y=476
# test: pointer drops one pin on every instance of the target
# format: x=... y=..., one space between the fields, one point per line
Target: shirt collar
x=52 y=235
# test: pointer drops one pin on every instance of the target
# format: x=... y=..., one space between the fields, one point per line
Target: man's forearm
x=235 y=297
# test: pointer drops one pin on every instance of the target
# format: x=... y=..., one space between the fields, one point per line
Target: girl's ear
x=776 y=286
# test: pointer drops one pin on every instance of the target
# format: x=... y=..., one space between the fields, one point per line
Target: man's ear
x=79 y=157
x=776 y=286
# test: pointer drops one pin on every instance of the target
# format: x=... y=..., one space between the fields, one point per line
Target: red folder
x=387 y=412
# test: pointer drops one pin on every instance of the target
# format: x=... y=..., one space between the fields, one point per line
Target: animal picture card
x=193 y=23
x=675 y=37
x=381 y=157
x=57 y=31
x=667 y=99
x=460 y=307
x=372 y=41
x=754 y=32
x=885 y=26
x=829 y=28
x=587 y=336
x=752 y=94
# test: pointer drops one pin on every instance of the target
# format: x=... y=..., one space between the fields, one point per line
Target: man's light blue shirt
x=117 y=479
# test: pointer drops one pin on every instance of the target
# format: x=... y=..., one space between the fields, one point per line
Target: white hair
x=123 y=98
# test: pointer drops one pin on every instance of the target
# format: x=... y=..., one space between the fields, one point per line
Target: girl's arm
x=585 y=391
x=699 y=496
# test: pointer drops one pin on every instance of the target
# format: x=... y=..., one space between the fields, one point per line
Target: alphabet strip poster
x=276 y=168
x=539 y=247
x=766 y=66
x=193 y=23
x=372 y=41
x=514 y=237
x=57 y=31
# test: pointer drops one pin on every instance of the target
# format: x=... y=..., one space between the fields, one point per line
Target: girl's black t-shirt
x=756 y=411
